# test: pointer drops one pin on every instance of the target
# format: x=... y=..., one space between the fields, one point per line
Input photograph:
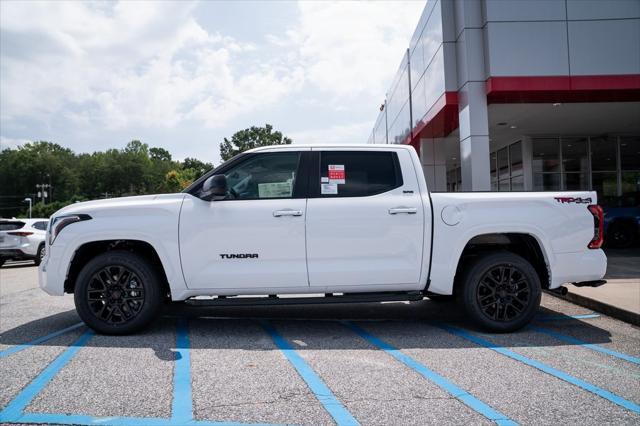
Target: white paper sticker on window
x=324 y=180
x=329 y=188
x=274 y=190
x=336 y=173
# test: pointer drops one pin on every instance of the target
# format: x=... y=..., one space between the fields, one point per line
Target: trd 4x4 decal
x=564 y=200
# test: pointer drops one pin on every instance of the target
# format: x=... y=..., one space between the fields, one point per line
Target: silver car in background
x=22 y=239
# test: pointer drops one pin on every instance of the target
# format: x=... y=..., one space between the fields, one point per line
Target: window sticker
x=329 y=189
x=275 y=190
x=336 y=173
x=324 y=180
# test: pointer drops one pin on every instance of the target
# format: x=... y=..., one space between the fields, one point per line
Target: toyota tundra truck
x=344 y=223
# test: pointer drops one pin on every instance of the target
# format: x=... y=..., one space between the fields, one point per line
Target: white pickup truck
x=348 y=223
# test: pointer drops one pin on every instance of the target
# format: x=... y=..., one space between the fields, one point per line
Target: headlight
x=60 y=222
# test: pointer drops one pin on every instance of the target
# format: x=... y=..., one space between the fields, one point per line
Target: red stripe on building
x=600 y=88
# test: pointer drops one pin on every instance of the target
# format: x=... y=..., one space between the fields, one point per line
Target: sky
x=184 y=75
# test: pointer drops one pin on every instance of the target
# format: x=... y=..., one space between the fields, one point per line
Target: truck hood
x=138 y=205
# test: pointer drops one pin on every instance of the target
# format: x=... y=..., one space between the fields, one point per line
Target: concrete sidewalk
x=620 y=297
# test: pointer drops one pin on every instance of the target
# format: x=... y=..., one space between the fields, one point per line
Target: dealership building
x=533 y=95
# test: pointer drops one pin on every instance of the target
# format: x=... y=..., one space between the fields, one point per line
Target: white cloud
x=339 y=134
x=353 y=48
x=114 y=65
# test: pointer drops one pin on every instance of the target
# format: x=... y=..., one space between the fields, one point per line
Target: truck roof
x=384 y=147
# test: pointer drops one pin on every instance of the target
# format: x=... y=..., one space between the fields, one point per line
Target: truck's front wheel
x=117 y=292
x=501 y=291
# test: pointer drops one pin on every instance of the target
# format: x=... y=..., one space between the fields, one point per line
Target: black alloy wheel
x=115 y=294
x=503 y=292
x=118 y=292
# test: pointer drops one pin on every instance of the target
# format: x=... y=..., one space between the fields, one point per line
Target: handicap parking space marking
x=14 y=349
x=182 y=405
x=317 y=386
x=182 y=411
x=445 y=384
x=610 y=396
x=14 y=410
x=573 y=341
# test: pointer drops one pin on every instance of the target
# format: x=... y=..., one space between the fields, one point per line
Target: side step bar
x=328 y=298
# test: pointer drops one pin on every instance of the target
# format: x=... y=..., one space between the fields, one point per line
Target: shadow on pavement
x=243 y=321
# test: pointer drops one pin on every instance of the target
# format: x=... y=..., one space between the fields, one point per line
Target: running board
x=328 y=298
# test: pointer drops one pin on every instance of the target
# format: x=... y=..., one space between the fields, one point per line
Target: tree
x=250 y=138
x=197 y=166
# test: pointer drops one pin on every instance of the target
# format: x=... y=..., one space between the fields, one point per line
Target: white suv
x=22 y=239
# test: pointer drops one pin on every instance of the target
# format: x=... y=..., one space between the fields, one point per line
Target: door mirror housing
x=214 y=188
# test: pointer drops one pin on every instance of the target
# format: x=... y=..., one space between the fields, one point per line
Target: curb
x=603 y=308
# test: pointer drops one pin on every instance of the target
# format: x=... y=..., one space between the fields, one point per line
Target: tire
x=488 y=298
x=118 y=292
x=39 y=255
x=620 y=235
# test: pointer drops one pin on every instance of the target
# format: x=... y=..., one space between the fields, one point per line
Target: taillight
x=598 y=226
x=20 y=233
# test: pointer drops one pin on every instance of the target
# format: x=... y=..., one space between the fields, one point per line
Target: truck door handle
x=287 y=212
x=406 y=210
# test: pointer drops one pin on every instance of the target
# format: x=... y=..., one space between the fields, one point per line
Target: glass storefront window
x=606 y=184
x=630 y=153
x=517 y=183
x=546 y=182
x=630 y=182
x=492 y=165
x=603 y=154
x=576 y=182
x=574 y=155
x=515 y=156
x=546 y=155
x=503 y=163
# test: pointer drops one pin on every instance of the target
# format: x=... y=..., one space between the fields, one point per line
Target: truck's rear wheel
x=501 y=291
x=117 y=292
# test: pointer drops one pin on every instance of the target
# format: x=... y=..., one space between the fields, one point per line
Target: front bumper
x=50 y=276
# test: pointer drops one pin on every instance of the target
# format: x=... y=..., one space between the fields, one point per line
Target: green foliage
x=250 y=138
x=136 y=169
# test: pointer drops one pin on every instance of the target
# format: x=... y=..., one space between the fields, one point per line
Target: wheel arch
x=91 y=249
x=523 y=244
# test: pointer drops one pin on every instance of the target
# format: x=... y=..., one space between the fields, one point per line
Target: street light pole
x=28 y=200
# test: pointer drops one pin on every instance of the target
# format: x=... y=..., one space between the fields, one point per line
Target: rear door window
x=11 y=226
x=42 y=225
x=358 y=173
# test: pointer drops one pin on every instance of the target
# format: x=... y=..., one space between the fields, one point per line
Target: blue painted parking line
x=321 y=391
x=182 y=406
x=567 y=317
x=445 y=384
x=37 y=341
x=592 y=346
x=610 y=396
x=14 y=410
x=79 y=419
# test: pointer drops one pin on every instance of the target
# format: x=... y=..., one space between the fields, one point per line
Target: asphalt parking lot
x=390 y=363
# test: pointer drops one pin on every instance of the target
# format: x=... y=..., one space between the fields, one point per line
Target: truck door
x=256 y=237
x=365 y=220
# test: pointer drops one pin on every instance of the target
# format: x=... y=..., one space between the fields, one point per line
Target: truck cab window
x=264 y=176
x=358 y=173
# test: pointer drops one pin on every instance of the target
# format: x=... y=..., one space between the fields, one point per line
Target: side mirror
x=214 y=188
